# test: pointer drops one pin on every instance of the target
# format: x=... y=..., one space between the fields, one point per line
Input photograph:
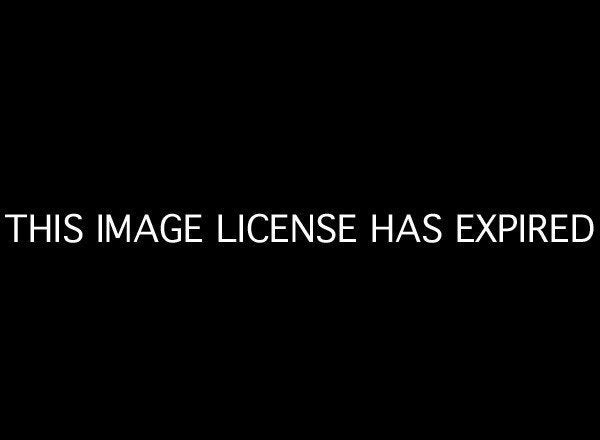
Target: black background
x=386 y=112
